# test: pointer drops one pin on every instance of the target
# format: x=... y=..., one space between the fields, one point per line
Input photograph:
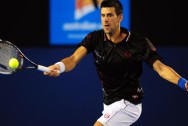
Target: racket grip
x=43 y=68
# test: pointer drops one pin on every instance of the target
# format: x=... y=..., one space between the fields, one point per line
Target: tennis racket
x=8 y=51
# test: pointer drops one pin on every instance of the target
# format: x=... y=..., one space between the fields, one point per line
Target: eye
x=110 y=15
x=102 y=15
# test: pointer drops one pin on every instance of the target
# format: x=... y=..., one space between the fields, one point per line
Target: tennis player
x=118 y=56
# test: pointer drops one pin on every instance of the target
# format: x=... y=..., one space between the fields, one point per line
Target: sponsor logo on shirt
x=107 y=115
x=128 y=54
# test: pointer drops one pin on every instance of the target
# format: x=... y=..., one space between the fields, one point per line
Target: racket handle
x=43 y=68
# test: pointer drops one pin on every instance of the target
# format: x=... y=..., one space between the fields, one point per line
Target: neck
x=116 y=37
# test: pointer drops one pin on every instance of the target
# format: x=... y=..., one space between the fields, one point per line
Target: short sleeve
x=150 y=53
x=87 y=42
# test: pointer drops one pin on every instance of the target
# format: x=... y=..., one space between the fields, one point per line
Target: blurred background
x=47 y=31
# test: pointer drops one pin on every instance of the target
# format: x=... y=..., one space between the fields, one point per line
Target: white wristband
x=62 y=66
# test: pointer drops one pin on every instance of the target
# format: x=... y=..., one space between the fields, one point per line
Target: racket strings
x=6 y=53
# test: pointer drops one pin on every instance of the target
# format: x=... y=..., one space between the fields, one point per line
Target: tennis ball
x=13 y=63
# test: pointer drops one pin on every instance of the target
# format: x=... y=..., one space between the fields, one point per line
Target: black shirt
x=119 y=66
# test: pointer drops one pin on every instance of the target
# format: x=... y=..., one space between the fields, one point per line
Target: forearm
x=69 y=63
x=169 y=74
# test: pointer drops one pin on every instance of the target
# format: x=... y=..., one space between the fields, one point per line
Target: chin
x=107 y=32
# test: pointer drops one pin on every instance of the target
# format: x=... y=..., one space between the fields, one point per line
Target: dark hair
x=113 y=3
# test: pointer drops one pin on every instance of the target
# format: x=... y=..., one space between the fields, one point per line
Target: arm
x=69 y=63
x=168 y=73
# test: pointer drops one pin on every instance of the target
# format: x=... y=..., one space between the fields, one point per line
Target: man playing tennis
x=118 y=56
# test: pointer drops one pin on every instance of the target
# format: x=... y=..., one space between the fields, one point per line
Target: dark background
x=28 y=98
x=26 y=22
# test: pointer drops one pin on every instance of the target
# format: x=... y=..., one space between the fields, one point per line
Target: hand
x=54 y=71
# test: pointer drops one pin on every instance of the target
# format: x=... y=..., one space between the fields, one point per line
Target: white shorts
x=120 y=113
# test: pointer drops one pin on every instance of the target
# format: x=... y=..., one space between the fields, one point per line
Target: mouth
x=106 y=25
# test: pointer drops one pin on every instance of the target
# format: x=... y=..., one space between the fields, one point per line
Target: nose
x=106 y=19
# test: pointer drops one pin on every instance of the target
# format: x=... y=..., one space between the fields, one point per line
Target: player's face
x=110 y=21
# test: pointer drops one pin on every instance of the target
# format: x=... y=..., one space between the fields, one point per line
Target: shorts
x=120 y=113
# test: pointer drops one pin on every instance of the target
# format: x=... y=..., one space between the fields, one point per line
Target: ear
x=120 y=17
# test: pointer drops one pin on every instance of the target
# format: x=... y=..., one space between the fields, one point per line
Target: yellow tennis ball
x=13 y=63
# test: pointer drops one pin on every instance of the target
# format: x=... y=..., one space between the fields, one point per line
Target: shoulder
x=92 y=40
x=95 y=35
x=99 y=32
x=140 y=41
x=137 y=36
x=133 y=36
x=136 y=39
